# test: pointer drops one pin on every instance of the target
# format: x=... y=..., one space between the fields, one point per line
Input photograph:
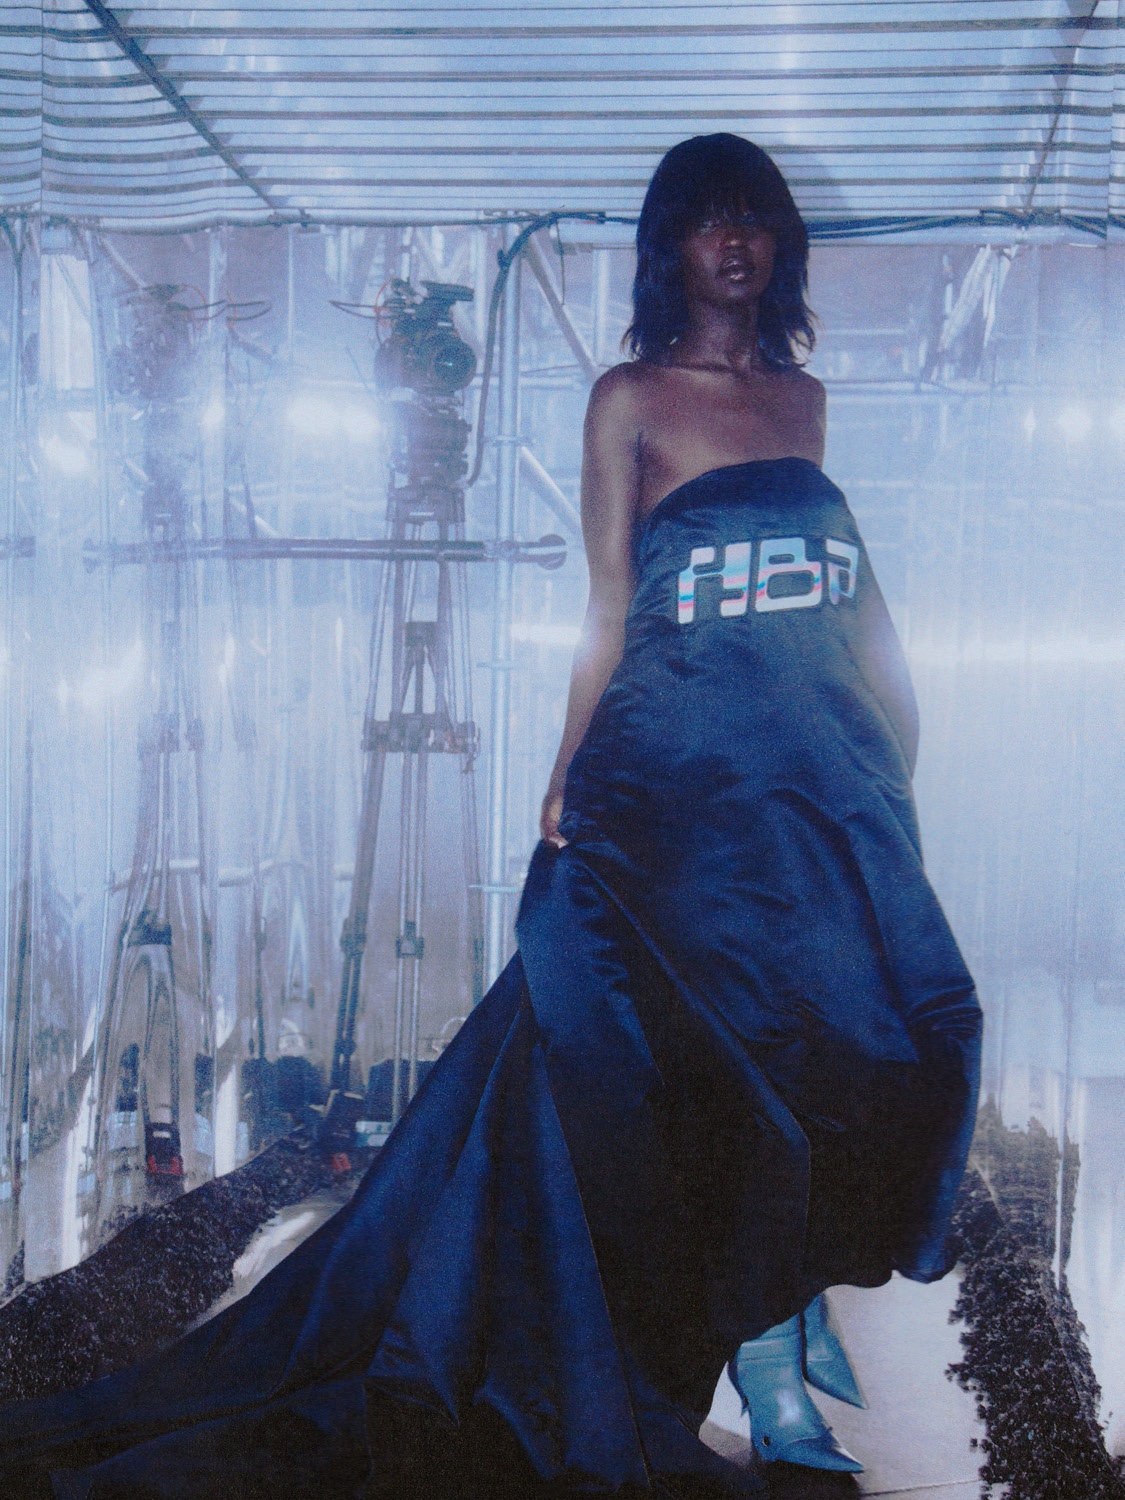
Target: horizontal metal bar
x=347 y=192
x=823 y=226
x=1001 y=71
x=441 y=148
x=275 y=108
x=976 y=27
x=547 y=552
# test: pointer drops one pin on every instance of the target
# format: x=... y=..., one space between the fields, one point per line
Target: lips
x=734 y=267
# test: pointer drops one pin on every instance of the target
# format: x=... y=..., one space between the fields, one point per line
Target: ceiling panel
x=171 y=116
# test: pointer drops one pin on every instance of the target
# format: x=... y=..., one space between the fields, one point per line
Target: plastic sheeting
x=171 y=115
x=977 y=424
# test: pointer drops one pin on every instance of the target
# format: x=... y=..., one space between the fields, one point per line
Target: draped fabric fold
x=733 y=1062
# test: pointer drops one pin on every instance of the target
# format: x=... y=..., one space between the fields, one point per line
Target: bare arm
x=610 y=489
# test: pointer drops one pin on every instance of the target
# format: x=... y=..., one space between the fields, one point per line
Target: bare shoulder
x=619 y=394
x=620 y=389
x=808 y=404
x=807 y=388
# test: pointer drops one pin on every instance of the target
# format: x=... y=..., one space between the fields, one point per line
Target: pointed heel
x=784 y=1423
x=826 y=1363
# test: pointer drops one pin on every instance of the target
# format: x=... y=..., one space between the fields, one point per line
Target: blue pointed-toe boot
x=826 y=1361
x=784 y=1423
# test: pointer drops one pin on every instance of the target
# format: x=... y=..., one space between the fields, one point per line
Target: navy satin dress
x=734 y=1061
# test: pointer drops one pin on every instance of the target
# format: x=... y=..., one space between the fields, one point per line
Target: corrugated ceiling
x=169 y=115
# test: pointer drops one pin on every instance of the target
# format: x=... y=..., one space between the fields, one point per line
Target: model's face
x=727 y=260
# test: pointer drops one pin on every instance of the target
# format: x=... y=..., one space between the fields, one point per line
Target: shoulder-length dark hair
x=706 y=177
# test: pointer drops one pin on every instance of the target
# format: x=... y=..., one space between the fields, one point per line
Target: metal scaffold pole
x=507 y=480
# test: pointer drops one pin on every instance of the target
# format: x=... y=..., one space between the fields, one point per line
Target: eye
x=708 y=225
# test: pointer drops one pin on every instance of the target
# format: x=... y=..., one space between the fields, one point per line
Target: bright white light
x=539 y=634
x=313 y=416
x=1029 y=424
x=111 y=682
x=1057 y=651
x=213 y=414
x=227 y=663
x=359 y=424
x=67 y=458
x=63 y=693
x=1075 y=422
x=317 y=417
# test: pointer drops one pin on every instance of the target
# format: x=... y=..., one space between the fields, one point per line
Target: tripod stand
x=162 y=951
x=418 y=705
x=422 y=604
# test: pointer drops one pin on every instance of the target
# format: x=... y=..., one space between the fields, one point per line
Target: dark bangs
x=717 y=176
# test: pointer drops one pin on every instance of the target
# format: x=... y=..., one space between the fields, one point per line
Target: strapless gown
x=734 y=1061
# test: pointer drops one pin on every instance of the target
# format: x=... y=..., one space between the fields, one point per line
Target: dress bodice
x=768 y=537
x=744 y=658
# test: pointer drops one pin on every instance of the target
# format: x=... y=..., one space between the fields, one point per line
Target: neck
x=725 y=336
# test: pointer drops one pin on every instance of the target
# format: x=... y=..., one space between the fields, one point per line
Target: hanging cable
x=505 y=259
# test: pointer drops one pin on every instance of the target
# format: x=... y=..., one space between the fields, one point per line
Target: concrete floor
x=274 y=1241
x=914 y=1437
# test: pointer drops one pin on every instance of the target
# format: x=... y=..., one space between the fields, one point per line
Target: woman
x=715 y=432
x=733 y=1061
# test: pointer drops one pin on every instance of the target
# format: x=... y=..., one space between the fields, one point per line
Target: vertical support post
x=507 y=479
x=601 y=306
x=11 y=519
x=478 y=260
x=215 y=425
x=99 y=302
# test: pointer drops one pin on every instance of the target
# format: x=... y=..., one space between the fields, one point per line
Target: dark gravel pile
x=1026 y=1359
x=155 y=1277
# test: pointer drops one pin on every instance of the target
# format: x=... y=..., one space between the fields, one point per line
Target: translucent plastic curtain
x=183 y=738
x=981 y=451
x=990 y=491
x=1024 y=815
